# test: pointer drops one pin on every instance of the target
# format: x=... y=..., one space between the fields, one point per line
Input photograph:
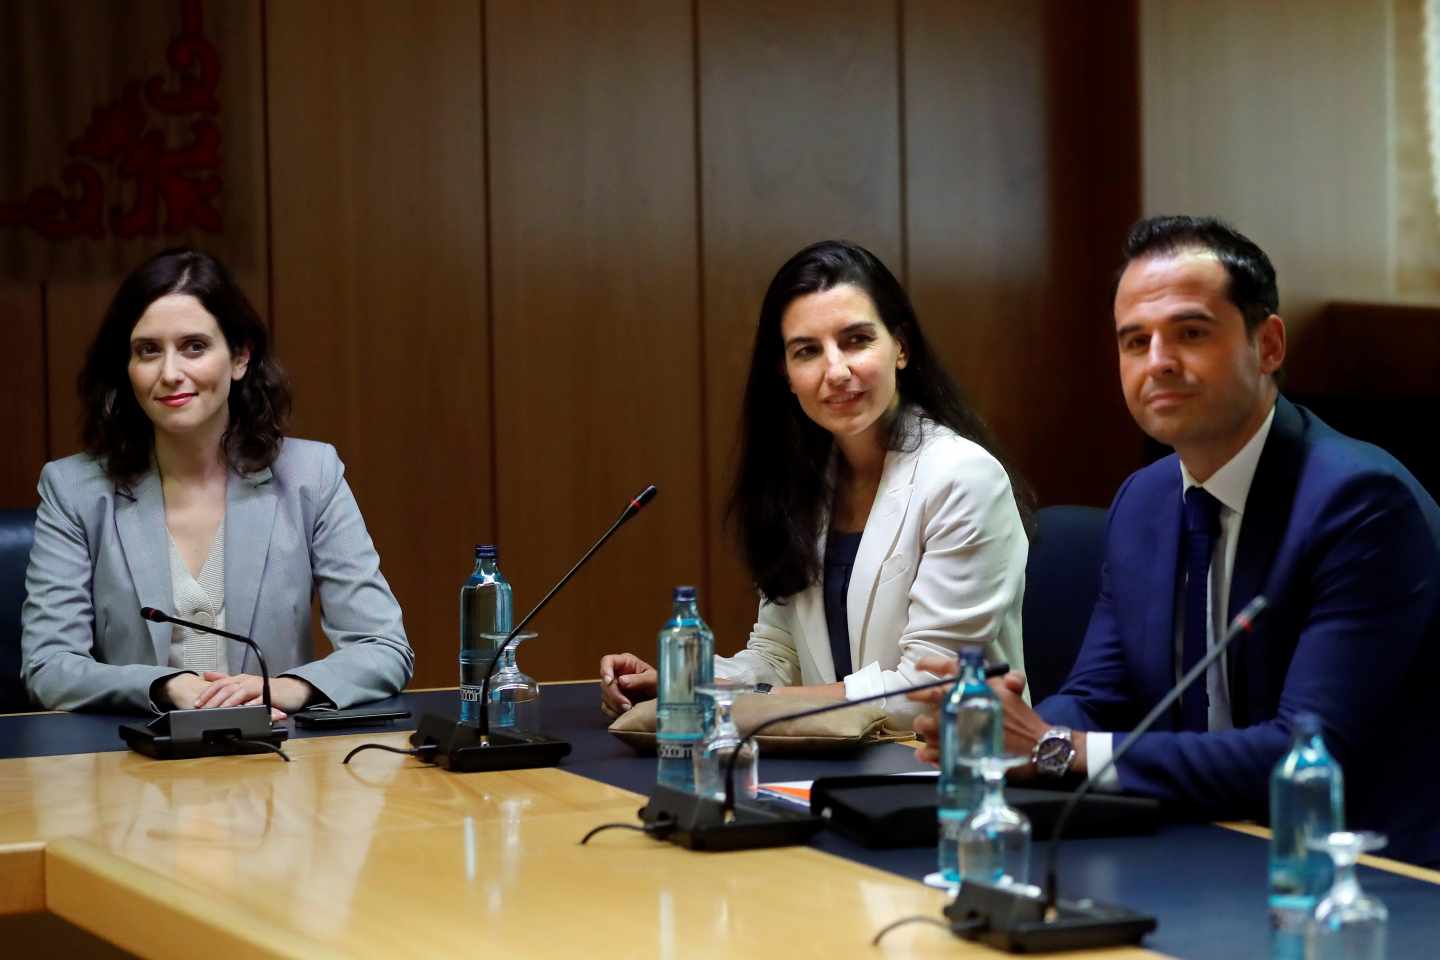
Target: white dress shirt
x=1231 y=486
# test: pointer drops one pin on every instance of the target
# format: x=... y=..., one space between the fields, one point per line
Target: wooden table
x=251 y=856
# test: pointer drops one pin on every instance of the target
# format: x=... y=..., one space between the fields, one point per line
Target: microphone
x=212 y=731
x=465 y=749
x=705 y=823
x=632 y=508
x=1015 y=919
x=158 y=616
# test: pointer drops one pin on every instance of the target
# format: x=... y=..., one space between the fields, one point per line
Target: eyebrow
x=184 y=336
x=852 y=328
x=1182 y=317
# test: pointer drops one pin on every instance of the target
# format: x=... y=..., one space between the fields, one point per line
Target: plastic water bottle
x=484 y=608
x=972 y=725
x=687 y=659
x=1307 y=801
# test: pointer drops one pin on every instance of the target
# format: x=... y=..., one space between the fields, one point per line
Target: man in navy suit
x=1261 y=497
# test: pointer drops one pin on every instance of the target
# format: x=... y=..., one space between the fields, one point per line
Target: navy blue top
x=840 y=550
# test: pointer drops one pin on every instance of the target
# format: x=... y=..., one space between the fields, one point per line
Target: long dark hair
x=116 y=430
x=783 y=488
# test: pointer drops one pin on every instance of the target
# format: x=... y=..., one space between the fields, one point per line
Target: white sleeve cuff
x=1098 y=748
x=866 y=682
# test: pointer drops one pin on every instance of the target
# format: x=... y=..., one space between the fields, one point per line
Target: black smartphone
x=353 y=717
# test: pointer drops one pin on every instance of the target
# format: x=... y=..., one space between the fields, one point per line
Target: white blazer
x=941 y=565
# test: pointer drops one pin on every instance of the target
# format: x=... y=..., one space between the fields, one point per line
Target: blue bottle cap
x=486 y=551
x=684 y=594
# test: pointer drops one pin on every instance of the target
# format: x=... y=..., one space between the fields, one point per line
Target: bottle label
x=470 y=693
x=675 y=749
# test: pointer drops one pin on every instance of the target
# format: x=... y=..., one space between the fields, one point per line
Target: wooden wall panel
x=800 y=141
x=378 y=252
x=22 y=393
x=73 y=311
x=596 y=318
x=1015 y=215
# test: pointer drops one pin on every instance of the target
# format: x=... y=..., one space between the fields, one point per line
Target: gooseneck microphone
x=159 y=616
x=633 y=507
x=1243 y=623
x=209 y=731
x=706 y=823
x=465 y=749
x=1019 y=919
x=995 y=670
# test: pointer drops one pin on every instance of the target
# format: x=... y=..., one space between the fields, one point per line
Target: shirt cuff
x=1098 y=748
x=867 y=682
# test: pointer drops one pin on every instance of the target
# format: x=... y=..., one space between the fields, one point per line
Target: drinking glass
x=721 y=740
x=994 y=841
x=1348 y=924
x=514 y=695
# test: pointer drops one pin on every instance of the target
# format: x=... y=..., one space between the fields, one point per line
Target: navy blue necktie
x=1202 y=528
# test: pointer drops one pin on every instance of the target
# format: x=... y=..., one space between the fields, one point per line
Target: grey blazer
x=293 y=530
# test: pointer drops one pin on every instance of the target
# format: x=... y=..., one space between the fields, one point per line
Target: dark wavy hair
x=116 y=430
x=782 y=487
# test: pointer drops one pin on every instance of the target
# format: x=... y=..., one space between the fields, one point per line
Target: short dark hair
x=780 y=492
x=1252 y=286
x=116 y=430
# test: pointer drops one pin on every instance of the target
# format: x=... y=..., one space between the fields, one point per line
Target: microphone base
x=1006 y=918
x=217 y=732
x=698 y=823
x=458 y=747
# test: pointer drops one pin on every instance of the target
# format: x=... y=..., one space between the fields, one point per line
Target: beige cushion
x=825 y=733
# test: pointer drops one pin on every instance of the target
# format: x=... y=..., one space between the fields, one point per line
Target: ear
x=903 y=357
x=1270 y=339
x=239 y=362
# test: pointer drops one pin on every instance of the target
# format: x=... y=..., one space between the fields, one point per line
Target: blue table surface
x=1205 y=884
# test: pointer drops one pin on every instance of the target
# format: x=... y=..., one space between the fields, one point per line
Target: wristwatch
x=764 y=687
x=1054 y=752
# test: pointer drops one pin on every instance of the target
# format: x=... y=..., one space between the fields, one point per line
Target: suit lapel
x=1267 y=515
x=882 y=527
x=1162 y=555
x=140 y=524
x=249 y=520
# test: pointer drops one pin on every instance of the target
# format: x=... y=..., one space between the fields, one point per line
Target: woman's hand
x=624 y=680
x=287 y=694
x=183 y=689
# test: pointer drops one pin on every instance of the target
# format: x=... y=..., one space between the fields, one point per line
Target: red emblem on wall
x=183 y=179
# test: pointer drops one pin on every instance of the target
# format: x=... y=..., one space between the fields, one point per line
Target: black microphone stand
x=461 y=748
x=211 y=731
x=710 y=823
x=1019 y=919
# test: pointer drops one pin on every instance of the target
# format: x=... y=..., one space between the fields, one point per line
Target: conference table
x=391 y=857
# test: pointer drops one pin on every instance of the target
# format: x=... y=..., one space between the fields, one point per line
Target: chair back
x=1062 y=580
x=17 y=533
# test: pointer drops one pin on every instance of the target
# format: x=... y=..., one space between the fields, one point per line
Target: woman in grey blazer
x=190 y=499
x=876 y=520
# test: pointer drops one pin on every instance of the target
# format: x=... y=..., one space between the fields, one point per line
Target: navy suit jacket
x=1345 y=544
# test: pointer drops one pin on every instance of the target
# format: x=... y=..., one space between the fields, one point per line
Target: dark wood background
x=513 y=254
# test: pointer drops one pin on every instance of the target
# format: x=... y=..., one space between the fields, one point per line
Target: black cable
x=261 y=743
x=919 y=918
x=661 y=828
x=427 y=750
x=612 y=826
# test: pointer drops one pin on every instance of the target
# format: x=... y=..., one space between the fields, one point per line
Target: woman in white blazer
x=190 y=499
x=875 y=518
